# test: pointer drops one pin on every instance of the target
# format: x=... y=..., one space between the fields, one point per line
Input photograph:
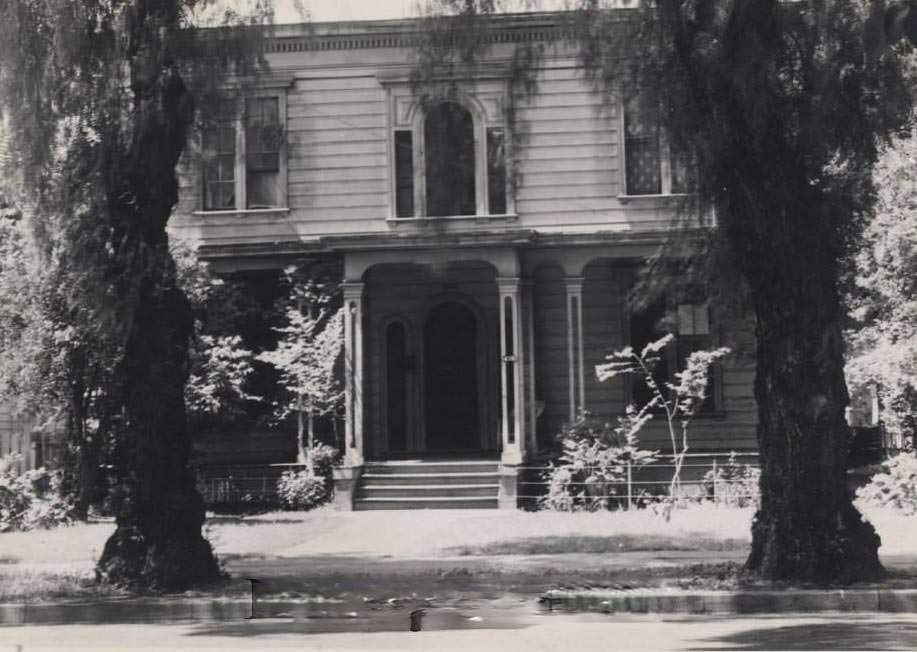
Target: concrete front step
x=451 y=483
x=429 y=490
x=361 y=504
x=429 y=478
x=419 y=467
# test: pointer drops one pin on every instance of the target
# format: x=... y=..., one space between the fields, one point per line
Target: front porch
x=481 y=353
x=440 y=376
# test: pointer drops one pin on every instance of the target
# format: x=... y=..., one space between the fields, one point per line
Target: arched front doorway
x=451 y=382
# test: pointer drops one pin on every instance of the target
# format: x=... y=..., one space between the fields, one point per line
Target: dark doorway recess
x=451 y=378
x=396 y=377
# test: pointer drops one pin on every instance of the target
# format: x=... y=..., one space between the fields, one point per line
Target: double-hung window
x=689 y=320
x=244 y=154
x=652 y=166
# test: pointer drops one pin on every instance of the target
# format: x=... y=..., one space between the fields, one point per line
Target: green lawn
x=49 y=564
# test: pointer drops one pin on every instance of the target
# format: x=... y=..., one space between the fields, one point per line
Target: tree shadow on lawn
x=458 y=579
x=552 y=545
x=867 y=634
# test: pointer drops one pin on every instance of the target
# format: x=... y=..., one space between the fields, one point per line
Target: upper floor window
x=689 y=321
x=244 y=156
x=448 y=135
x=652 y=166
x=450 y=163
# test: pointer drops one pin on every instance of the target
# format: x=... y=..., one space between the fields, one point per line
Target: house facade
x=486 y=253
x=28 y=443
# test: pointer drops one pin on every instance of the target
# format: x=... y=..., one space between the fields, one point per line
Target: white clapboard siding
x=566 y=156
x=6 y=430
x=604 y=292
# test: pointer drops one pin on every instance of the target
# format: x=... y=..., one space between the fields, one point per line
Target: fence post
x=715 y=501
x=630 y=487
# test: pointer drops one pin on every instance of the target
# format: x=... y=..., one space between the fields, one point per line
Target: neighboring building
x=485 y=273
x=33 y=444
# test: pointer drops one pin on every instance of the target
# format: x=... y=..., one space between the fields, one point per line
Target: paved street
x=514 y=630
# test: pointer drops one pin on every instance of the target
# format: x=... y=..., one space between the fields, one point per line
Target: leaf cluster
x=882 y=292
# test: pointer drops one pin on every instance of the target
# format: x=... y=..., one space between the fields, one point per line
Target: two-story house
x=485 y=273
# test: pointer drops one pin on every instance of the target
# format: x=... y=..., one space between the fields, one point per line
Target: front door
x=451 y=378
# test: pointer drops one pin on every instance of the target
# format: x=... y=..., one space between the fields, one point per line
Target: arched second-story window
x=450 y=162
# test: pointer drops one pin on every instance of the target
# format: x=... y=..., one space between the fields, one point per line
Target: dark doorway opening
x=451 y=378
x=396 y=384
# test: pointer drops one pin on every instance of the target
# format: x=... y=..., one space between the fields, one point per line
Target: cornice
x=407 y=33
x=522 y=238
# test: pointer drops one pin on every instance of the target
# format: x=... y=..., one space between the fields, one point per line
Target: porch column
x=353 y=373
x=574 y=286
x=528 y=303
x=512 y=371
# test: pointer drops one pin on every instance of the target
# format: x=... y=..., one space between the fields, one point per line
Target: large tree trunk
x=88 y=477
x=81 y=469
x=157 y=542
x=806 y=528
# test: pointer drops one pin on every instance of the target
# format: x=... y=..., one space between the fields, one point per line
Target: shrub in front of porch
x=733 y=484
x=596 y=459
x=310 y=486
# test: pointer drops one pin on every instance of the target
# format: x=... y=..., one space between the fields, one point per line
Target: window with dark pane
x=449 y=154
x=694 y=335
x=641 y=151
x=219 y=166
x=496 y=171
x=648 y=324
x=404 y=173
x=263 y=141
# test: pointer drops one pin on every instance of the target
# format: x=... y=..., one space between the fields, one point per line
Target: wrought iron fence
x=240 y=485
x=256 y=485
x=727 y=478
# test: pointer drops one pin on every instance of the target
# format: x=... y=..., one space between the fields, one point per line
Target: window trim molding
x=242 y=211
x=269 y=89
x=665 y=164
x=418 y=119
x=425 y=219
x=406 y=113
x=715 y=379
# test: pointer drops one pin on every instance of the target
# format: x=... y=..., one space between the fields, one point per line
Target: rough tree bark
x=807 y=528
x=787 y=184
x=158 y=541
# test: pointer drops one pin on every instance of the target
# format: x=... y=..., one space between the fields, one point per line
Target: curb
x=140 y=610
x=733 y=602
x=645 y=601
